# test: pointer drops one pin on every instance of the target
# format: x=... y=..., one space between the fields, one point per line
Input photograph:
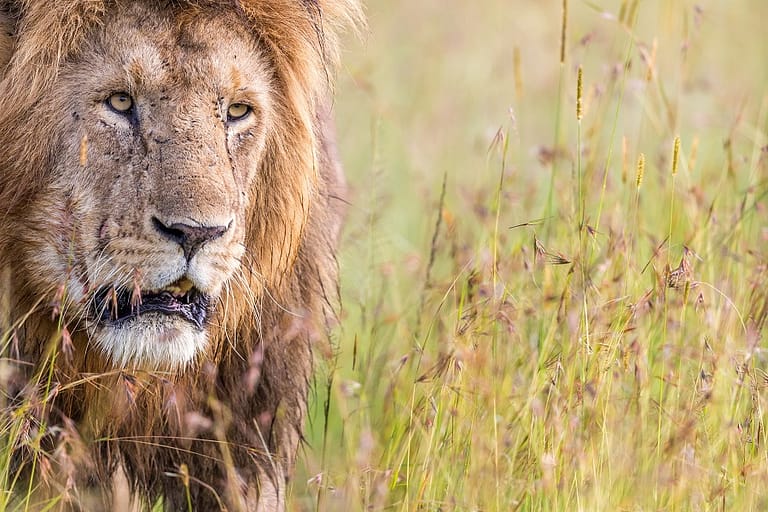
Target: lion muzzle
x=190 y=238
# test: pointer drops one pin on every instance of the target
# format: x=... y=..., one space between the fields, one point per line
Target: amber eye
x=120 y=102
x=238 y=111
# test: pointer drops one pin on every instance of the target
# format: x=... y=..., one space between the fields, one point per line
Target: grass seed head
x=67 y=347
x=579 y=94
x=640 y=170
x=624 y=164
x=84 y=151
x=651 y=60
x=675 y=155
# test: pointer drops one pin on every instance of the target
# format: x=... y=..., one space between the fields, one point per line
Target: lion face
x=148 y=207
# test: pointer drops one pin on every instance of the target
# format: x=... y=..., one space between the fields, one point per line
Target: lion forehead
x=202 y=53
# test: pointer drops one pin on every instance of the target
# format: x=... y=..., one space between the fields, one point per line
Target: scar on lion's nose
x=190 y=238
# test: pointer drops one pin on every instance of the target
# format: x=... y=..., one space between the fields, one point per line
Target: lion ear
x=7 y=36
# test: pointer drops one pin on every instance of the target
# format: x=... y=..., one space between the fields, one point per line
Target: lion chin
x=152 y=341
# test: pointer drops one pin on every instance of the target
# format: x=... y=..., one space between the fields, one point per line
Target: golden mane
x=254 y=377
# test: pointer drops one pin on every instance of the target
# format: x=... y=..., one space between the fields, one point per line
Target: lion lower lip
x=114 y=307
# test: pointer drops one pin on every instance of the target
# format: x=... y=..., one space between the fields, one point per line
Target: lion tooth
x=184 y=285
x=180 y=287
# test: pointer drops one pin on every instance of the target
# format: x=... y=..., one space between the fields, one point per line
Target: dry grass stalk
x=563 y=31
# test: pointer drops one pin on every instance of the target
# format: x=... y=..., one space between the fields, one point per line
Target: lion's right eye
x=120 y=102
x=238 y=111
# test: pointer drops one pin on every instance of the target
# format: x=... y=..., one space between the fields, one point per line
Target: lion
x=170 y=206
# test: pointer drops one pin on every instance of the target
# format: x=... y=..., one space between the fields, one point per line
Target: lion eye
x=120 y=102
x=238 y=111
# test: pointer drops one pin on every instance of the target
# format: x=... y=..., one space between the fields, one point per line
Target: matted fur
x=222 y=431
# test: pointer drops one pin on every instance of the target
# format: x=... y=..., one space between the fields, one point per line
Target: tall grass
x=555 y=328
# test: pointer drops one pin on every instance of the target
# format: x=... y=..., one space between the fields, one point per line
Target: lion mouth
x=113 y=306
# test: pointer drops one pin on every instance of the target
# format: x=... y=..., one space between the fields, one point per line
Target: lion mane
x=221 y=432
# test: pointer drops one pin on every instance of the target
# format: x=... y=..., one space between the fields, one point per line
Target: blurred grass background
x=607 y=356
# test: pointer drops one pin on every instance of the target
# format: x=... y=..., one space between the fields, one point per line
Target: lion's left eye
x=238 y=111
x=120 y=102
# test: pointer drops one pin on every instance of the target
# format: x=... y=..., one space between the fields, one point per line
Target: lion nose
x=190 y=238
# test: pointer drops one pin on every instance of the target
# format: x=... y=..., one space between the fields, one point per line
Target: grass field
x=554 y=297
